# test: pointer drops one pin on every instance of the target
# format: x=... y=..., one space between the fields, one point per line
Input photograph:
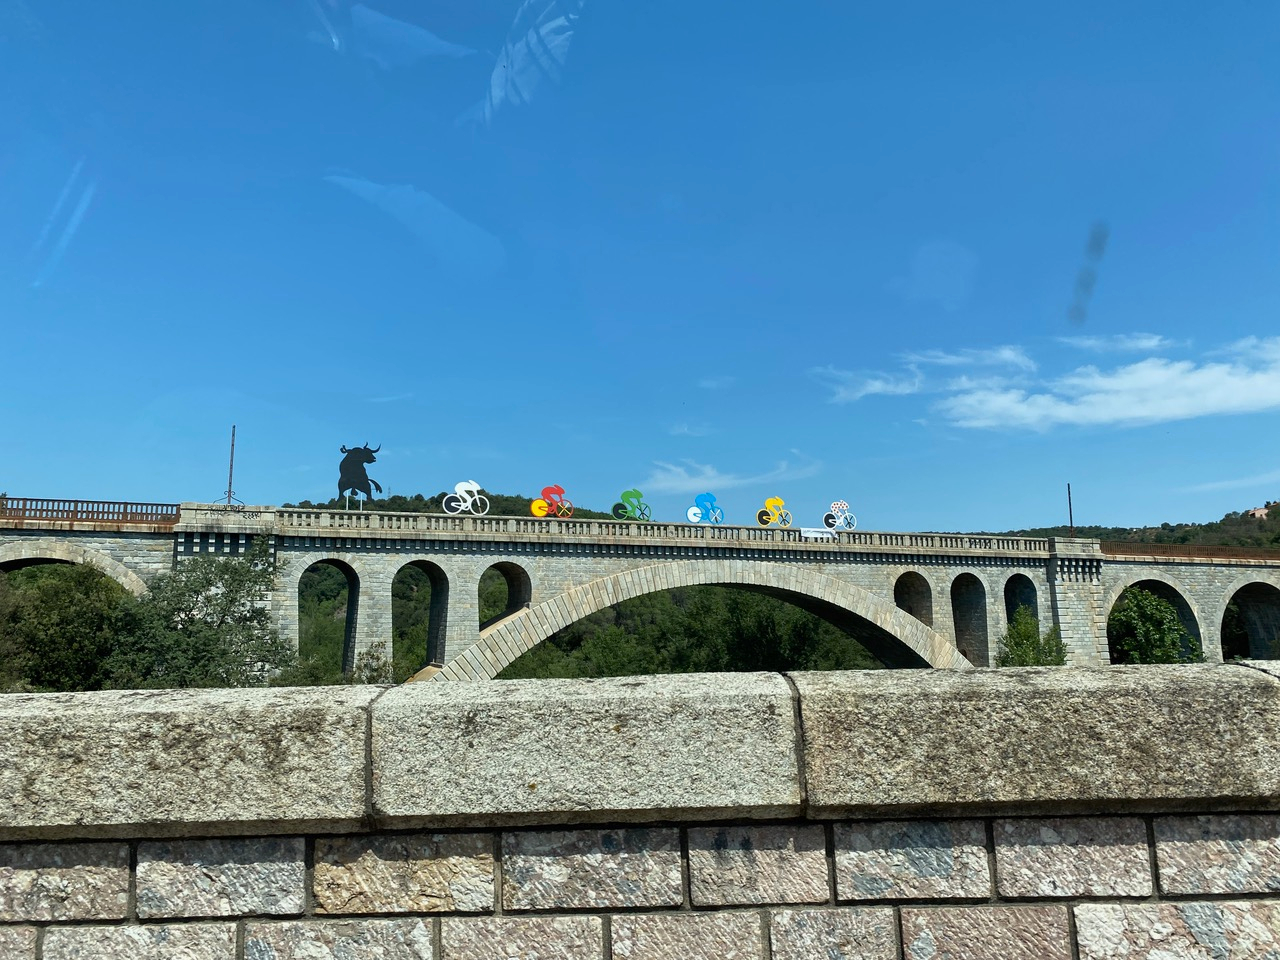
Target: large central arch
x=891 y=634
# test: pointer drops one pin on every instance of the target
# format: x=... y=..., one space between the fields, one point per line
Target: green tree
x=13 y=652
x=56 y=624
x=692 y=630
x=1024 y=645
x=1145 y=628
x=322 y=627
x=410 y=621
x=203 y=625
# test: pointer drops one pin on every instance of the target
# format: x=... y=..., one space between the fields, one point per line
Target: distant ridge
x=1237 y=529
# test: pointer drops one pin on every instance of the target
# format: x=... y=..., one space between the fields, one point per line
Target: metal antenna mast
x=231 y=470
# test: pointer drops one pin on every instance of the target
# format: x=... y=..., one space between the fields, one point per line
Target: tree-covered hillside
x=694 y=630
x=1234 y=530
x=500 y=505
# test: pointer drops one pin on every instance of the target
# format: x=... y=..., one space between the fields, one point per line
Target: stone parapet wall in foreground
x=1039 y=814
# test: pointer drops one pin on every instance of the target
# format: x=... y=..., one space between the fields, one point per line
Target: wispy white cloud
x=964 y=382
x=848 y=386
x=1237 y=483
x=715 y=383
x=1241 y=377
x=689 y=430
x=1154 y=390
x=689 y=476
x=1005 y=356
x=1121 y=343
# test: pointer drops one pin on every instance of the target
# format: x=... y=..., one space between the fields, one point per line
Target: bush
x=56 y=627
x=1145 y=628
x=203 y=625
x=1024 y=646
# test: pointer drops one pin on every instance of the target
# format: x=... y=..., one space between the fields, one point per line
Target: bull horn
x=345 y=450
x=375 y=449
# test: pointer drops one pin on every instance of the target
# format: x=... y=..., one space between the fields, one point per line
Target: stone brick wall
x=1015 y=888
x=131 y=558
x=933 y=815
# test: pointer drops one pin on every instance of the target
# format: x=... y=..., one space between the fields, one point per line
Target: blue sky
x=935 y=262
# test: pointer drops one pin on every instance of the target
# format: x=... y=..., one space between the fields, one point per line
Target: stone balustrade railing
x=1019 y=814
x=293 y=521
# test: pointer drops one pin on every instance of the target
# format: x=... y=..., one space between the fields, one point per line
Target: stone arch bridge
x=914 y=599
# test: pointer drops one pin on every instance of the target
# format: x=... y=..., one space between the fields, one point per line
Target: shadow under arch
x=1019 y=591
x=969 y=615
x=1256 y=632
x=912 y=594
x=519 y=592
x=1165 y=590
x=892 y=635
x=15 y=556
x=348 y=659
x=437 y=612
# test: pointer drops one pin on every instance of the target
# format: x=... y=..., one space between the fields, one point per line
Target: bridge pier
x=461 y=627
x=1075 y=596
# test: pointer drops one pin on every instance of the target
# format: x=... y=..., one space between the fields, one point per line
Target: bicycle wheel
x=480 y=505
x=693 y=514
x=539 y=507
x=829 y=521
x=764 y=518
x=850 y=521
x=644 y=511
x=564 y=509
x=620 y=511
x=452 y=503
x=784 y=517
x=717 y=515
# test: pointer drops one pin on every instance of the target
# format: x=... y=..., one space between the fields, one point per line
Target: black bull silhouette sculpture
x=351 y=472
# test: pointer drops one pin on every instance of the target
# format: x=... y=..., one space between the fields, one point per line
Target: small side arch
x=419 y=572
x=13 y=556
x=1166 y=588
x=352 y=613
x=1257 y=621
x=1019 y=591
x=969 y=615
x=898 y=634
x=912 y=594
x=519 y=592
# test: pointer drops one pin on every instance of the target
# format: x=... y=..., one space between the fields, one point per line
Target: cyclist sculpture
x=552 y=503
x=631 y=506
x=705 y=508
x=840 y=517
x=467 y=496
x=773 y=513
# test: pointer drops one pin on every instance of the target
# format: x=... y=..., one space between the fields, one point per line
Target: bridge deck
x=342 y=523
x=50 y=514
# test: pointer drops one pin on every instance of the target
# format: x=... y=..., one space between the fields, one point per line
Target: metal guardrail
x=1128 y=548
x=291 y=521
x=87 y=511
